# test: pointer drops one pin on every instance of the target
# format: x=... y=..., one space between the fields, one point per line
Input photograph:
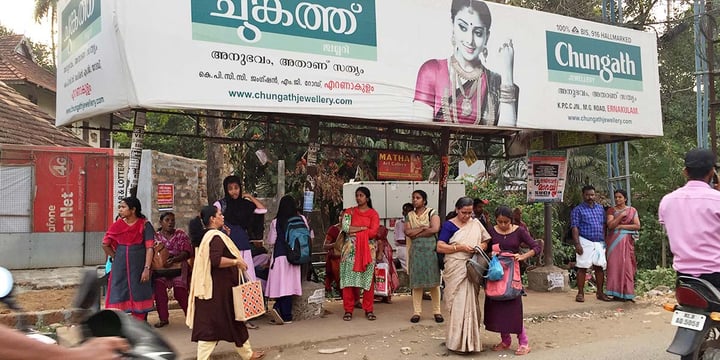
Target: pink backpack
x=510 y=286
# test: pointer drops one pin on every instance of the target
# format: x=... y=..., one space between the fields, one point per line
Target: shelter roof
x=25 y=123
x=17 y=65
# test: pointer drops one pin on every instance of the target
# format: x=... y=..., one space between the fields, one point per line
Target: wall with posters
x=187 y=177
x=70 y=206
x=347 y=59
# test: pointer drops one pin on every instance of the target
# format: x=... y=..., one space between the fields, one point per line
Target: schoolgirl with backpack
x=289 y=238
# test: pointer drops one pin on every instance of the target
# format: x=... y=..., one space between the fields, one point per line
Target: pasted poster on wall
x=547 y=173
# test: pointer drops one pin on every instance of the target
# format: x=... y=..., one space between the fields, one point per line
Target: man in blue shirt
x=588 y=233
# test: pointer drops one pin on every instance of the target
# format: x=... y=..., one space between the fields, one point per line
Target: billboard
x=469 y=66
x=399 y=166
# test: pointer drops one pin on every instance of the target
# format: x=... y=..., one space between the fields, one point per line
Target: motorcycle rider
x=14 y=345
x=691 y=217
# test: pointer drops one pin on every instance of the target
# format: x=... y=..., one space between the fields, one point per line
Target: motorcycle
x=144 y=342
x=697 y=317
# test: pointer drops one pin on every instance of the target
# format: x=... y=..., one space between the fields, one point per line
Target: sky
x=17 y=15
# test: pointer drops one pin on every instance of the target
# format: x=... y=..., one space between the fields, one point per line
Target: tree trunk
x=215 y=159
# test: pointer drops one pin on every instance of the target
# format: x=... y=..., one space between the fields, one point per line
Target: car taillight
x=689 y=297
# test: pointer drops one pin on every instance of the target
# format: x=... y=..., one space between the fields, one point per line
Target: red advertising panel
x=399 y=166
x=71 y=187
x=165 y=196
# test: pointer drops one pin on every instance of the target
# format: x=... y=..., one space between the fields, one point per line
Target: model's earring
x=485 y=52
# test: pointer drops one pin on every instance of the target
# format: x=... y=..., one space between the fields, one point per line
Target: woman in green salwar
x=357 y=264
x=421 y=228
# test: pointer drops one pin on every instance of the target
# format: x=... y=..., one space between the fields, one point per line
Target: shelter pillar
x=136 y=148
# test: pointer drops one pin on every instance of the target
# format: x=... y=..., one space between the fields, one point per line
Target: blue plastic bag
x=108 y=265
x=495 y=270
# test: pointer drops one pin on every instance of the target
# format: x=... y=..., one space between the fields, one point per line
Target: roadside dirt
x=545 y=333
x=40 y=300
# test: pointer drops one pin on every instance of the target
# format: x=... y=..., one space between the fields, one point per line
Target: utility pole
x=710 y=41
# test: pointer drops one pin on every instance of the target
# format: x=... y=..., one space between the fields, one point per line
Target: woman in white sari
x=457 y=240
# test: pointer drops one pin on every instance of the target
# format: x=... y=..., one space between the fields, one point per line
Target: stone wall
x=189 y=177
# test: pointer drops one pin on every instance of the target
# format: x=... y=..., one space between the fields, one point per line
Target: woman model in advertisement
x=211 y=314
x=238 y=212
x=421 y=227
x=284 y=278
x=129 y=244
x=461 y=89
x=357 y=265
x=506 y=317
x=457 y=240
x=623 y=224
x=175 y=277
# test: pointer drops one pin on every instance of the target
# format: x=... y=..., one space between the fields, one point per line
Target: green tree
x=185 y=146
x=43 y=9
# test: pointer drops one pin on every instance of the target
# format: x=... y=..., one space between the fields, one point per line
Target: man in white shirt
x=400 y=244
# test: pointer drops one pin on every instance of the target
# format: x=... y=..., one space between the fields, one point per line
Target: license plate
x=688 y=320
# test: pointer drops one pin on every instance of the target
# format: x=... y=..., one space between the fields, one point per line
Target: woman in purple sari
x=623 y=225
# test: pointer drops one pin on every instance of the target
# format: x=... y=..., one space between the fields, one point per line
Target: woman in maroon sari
x=129 y=244
x=623 y=225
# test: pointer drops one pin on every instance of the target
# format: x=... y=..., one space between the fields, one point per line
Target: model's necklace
x=474 y=74
x=466 y=104
x=461 y=76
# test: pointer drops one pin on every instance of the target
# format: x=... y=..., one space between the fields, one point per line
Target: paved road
x=648 y=344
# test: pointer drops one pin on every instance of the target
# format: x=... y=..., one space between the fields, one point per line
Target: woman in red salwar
x=357 y=264
x=129 y=244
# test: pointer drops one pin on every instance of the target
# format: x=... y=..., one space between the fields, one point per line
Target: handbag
x=382 y=287
x=477 y=266
x=160 y=258
x=248 y=300
x=338 y=244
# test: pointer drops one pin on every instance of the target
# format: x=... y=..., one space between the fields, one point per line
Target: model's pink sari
x=621 y=264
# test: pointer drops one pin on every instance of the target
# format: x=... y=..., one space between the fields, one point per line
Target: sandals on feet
x=275 y=316
x=162 y=323
x=603 y=297
x=257 y=355
x=415 y=319
x=370 y=316
x=250 y=325
x=523 y=350
x=439 y=318
x=501 y=346
x=580 y=298
x=347 y=316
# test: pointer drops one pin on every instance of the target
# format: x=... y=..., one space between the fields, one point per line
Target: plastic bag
x=495 y=270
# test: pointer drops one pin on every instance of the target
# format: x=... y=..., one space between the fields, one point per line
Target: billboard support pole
x=444 y=169
x=549 y=143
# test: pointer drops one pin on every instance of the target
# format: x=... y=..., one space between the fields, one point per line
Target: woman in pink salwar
x=284 y=278
x=623 y=225
x=461 y=89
